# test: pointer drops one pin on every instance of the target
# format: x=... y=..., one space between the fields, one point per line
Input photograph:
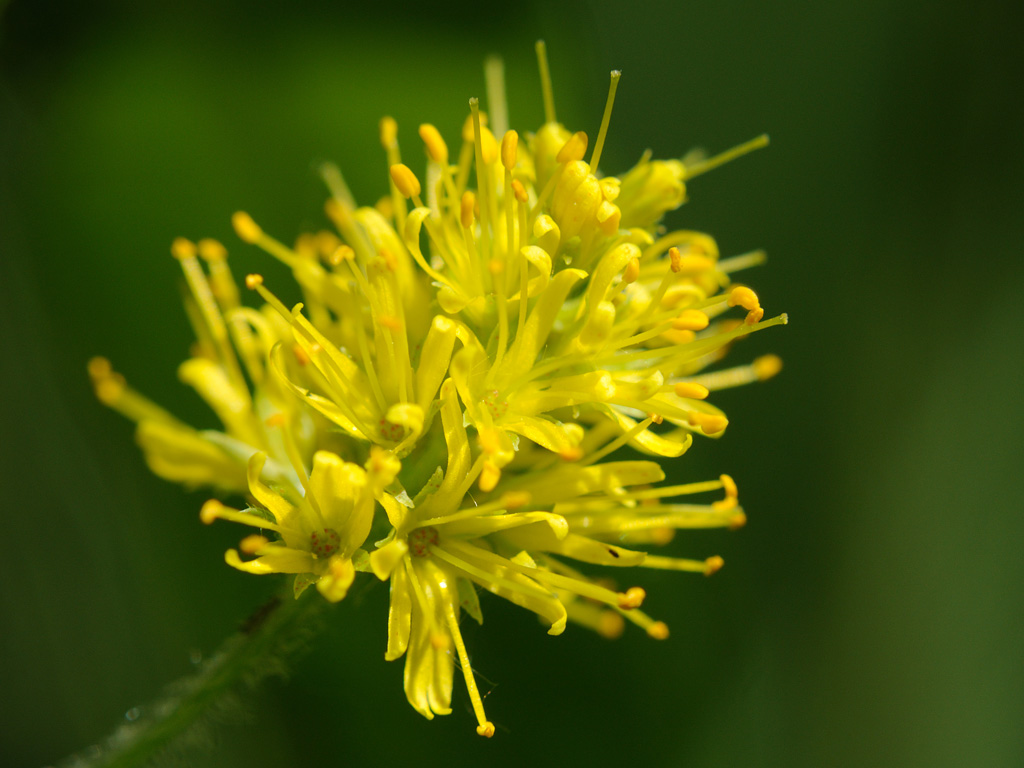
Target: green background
x=869 y=614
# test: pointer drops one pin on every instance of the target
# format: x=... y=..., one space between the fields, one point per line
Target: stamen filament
x=605 y=119
x=725 y=157
x=545 y=82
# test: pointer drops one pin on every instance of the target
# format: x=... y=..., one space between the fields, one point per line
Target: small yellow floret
x=509 y=144
x=767 y=366
x=245 y=227
x=182 y=248
x=437 y=150
x=691 y=390
x=713 y=564
x=406 y=181
x=574 y=149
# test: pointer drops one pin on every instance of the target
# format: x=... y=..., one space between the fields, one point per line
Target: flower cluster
x=441 y=408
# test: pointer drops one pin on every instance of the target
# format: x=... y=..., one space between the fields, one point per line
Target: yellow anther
x=406 y=181
x=466 y=209
x=487 y=729
x=489 y=476
x=488 y=145
x=253 y=543
x=386 y=207
x=300 y=354
x=212 y=250
x=467 y=127
x=183 y=248
x=388 y=132
x=440 y=641
x=210 y=511
x=573 y=453
x=516 y=499
x=610 y=625
x=724 y=505
x=389 y=259
x=691 y=390
x=633 y=598
x=245 y=227
x=489 y=441
x=690 y=320
x=754 y=316
x=675 y=258
x=691 y=264
x=326 y=243
x=710 y=423
x=574 y=149
x=662 y=536
x=737 y=521
x=767 y=366
x=109 y=390
x=495 y=266
x=340 y=254
x=742 y=296
x=729 y=485
x=713 y=565
x=632 y=271
x=656 y=418
x=437 y=150
x=252 y=282
x=390 y=322
x=519 y=190
x=509 y=144
x=658 y=630
x=99 y=368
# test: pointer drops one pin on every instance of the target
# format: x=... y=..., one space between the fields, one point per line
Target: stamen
x=485 y=727
x=252 y=544
x=545 y=82
x=605 y=119
x=437 y=150
x=494 y=77
x=725 y=157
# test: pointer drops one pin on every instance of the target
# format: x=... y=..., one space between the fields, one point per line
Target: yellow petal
x=337 y=579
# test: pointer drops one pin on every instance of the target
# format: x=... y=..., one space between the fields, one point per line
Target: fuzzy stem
x=274 y=633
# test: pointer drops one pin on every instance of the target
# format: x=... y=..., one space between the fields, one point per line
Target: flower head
x=455 y=380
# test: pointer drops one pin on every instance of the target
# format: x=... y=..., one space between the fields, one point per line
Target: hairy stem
x=272 y=635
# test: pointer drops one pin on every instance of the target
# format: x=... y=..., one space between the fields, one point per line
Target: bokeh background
x=869 y=614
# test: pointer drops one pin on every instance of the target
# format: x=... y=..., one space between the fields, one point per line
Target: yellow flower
x=217 y=458
x=548 y=320
x=318 y=533
x=513 y=543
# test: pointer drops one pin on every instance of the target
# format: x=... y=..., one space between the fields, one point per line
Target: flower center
x=495 y=404
x=421 y=540
x=324 y=543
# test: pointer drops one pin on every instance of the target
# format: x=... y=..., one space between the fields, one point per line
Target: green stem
x=278 y=630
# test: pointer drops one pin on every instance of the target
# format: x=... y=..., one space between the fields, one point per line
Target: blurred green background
x=869 y=614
